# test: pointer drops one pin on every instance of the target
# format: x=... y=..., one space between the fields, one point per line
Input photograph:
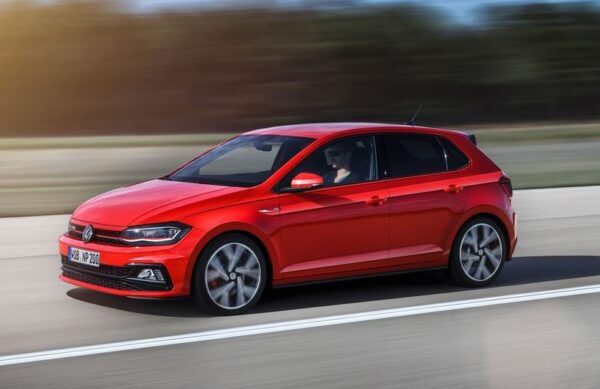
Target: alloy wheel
x=233 y=276
x=481 y=252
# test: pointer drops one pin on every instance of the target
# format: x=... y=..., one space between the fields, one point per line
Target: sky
x=462 y=10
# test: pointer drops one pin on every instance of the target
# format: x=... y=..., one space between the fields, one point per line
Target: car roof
x=323 y=130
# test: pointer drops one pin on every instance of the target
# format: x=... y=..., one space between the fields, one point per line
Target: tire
x=230 y=275
x=480 y=239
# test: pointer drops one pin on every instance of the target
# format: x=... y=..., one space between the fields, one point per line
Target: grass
x=112 y=141
x=40 y=176
x=538 y=133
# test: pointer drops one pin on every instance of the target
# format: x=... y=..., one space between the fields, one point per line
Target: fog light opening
x=149 y=274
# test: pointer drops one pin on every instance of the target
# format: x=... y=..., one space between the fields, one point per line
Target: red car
x=295 y=204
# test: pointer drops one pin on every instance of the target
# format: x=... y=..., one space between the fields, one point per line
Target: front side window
x=345 y=161
x=414 y=154
x=245 y=161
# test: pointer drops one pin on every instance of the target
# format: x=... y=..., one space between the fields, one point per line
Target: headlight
x=154 y=235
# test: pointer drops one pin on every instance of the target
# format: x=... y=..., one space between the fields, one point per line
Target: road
x=549 y=342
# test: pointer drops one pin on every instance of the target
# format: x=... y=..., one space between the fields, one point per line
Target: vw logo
x=88 y=233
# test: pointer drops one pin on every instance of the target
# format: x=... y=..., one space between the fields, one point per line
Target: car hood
x=153 y=201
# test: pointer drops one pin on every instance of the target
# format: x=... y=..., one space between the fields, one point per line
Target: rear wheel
x=478 y=253
x=230 y=275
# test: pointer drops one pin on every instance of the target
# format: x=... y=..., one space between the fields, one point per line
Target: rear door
x=426 y=197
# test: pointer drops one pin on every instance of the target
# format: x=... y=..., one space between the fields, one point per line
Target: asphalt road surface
x=471 y=338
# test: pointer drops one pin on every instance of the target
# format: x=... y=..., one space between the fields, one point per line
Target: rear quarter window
x=456 y=158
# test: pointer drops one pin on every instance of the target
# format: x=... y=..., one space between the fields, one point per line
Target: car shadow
x=173 y=307
x=519 y=271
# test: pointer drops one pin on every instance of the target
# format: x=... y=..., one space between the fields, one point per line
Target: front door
x=341 y=228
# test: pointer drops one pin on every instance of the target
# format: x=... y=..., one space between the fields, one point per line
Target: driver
x=339 y=156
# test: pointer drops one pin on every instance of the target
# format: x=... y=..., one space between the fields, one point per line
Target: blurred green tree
x=96 y=67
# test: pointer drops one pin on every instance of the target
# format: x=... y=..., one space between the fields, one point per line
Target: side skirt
x=352 y=278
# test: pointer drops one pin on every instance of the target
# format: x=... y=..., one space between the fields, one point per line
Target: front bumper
x=116 y=277
x=120 y=264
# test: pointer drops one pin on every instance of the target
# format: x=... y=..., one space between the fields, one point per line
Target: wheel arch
x=490 y=215
x=267 y=249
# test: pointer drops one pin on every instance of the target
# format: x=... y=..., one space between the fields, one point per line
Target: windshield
x=246 y=160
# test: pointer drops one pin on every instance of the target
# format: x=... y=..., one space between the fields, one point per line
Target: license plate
x=85 y=257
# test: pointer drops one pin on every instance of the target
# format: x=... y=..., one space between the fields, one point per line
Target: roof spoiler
x=471 y=137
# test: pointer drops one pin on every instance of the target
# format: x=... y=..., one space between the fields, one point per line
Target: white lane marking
x=292 y=325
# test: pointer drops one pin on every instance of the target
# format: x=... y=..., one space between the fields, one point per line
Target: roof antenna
x=412 y=121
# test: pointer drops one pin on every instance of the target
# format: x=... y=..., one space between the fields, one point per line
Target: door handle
x=453 y=188
x=268 y=211
x=376 y=200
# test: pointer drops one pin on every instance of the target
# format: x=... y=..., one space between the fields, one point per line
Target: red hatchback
x=295 y=204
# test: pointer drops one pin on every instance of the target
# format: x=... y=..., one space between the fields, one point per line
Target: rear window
x=413 y=154
x=456 y=158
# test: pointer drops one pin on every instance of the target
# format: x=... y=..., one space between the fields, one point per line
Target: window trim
x=437 y=138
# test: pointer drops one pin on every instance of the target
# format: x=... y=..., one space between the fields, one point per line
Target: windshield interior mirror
x=262 y=146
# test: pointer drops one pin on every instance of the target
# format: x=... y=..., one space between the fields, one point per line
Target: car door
x=342 y=227
x=426 y=198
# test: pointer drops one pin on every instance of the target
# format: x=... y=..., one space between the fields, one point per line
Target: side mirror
x=306 y=181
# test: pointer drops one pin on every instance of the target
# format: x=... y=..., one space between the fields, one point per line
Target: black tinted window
x=456 y=158
x=410 y=154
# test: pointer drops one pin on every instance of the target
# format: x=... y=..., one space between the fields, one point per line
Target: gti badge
x=88 y=233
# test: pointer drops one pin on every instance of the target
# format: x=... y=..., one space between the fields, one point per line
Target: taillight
x=506 y=184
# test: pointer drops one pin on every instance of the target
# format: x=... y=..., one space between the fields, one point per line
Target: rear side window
x=456 y=158
x=413 y=154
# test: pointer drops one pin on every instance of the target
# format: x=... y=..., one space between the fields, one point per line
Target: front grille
x=114 y=277
x=115 y=271
x=100 y=281
x=110 y=237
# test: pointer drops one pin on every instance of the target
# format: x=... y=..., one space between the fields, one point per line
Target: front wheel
x=230 y=275
x=478 y=253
